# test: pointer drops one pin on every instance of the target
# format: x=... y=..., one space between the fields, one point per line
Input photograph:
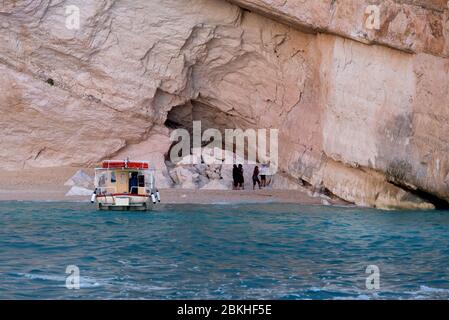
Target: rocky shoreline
x=53 y=184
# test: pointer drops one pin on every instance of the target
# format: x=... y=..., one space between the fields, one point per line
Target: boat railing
x=104 y=190
x=134 y=188
x=113 y=190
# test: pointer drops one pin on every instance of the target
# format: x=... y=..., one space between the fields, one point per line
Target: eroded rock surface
x=409 y=25
x=354 y=107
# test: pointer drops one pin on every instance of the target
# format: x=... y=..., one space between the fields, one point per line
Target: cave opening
x=182 y=116
x=439 y=203
x=211 y=117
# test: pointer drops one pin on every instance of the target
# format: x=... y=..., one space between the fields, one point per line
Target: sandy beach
x=47 y=184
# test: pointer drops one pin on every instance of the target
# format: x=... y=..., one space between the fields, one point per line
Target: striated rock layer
x=361 y=113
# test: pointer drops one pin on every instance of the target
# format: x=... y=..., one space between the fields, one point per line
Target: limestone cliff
x=362 y=113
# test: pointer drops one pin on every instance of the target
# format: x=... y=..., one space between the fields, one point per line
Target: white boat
x=125 y=185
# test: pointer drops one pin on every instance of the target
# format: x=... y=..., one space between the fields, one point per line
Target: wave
x=425 y=290
x=85 y=282
x=88 y=282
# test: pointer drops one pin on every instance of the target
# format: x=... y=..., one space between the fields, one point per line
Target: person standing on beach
x=235 y=177
x=256 y=177
x=263 y=175
x=241 y=181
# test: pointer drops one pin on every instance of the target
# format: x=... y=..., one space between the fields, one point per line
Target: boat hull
x=124 y=203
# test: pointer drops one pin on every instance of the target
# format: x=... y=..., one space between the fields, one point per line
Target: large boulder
x=78 y=191
x=80 y=179
x=184 y=177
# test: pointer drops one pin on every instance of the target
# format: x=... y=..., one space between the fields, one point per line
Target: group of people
x=239 y=180
x=237 y=177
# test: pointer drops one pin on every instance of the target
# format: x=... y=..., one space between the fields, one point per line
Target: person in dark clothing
x=241 y=183
x=263 y=178
x=256 y=177
x=133 y=183
x=235 y=176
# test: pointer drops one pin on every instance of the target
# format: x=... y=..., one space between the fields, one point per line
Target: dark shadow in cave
x=211 y=117
x=439 y=203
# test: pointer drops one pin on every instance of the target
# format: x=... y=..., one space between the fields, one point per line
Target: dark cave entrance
x=211 y=117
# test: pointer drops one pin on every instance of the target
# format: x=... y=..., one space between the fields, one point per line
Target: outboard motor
x=158 y=196
x=153 y=198
x=94 y=195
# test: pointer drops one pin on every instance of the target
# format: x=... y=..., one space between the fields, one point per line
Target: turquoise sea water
x=244 y=251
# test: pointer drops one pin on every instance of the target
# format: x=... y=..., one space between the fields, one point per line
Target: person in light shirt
x=264 y=171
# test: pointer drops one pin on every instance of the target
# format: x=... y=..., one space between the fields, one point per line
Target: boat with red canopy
x=125 y=185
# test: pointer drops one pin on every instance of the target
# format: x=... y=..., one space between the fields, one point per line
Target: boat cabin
x=124 y=178
x=125 y=185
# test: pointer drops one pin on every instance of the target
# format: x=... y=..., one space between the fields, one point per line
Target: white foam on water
x=426 y=292
x=90 y=283
x=423 y=289
x=42 y=277
x=144 y=288
x=362 y=297
x=346 y=293
x=85 y=282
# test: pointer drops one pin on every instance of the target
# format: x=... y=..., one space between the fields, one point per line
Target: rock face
x=408 y=25
x=362 y=113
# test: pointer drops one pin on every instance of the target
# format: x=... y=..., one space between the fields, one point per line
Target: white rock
x=80 y=179
x=201 y=168
x=184 y=177
x=202 y=181
x=78 y=191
